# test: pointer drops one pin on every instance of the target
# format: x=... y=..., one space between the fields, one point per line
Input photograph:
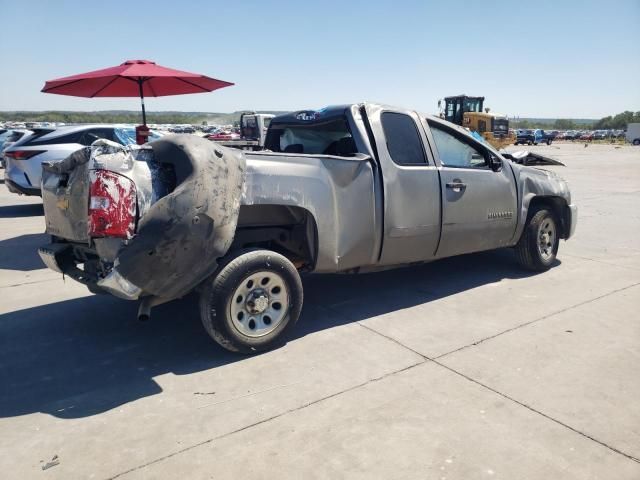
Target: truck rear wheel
x=538 y=246
x=252 y=301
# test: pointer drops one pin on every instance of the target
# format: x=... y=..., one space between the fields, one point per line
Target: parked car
x=9 y=138
x=572 y=135
x=241 y=226
x=223 y=136
x=600 y=135
x=532 y=137
x=587 y=136
x=25 y=157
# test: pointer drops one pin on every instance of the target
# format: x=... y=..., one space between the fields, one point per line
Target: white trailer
x=633 y=133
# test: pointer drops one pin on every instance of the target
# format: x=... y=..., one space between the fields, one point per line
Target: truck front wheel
x=538 y=245
x=252 y=302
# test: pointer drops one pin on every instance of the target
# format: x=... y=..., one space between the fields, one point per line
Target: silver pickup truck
x=350 y=189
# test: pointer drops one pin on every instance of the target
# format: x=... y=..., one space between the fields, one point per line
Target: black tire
x=528 y=251
x=548 y=142
x=529 y=143
x=219 y=290
x=515 y=143
x=535 y=143
x=636 y=141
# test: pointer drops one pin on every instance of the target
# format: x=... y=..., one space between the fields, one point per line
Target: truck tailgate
x=65 y=194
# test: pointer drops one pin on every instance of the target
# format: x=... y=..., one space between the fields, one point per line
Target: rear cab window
x=321 y=132
x=403 y=139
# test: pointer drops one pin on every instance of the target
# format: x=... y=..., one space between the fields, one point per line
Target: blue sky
x=533 y=59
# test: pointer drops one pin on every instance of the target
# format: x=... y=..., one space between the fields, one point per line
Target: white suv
x=24 y=158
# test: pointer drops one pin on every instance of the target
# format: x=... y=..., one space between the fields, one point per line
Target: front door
x=478 y=203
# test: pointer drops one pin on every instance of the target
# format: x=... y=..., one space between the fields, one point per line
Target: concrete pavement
x=464 y=368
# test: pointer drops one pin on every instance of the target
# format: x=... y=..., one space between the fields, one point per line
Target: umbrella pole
x=144 y=113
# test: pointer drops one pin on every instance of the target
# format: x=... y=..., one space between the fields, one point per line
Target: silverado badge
x=499 y=215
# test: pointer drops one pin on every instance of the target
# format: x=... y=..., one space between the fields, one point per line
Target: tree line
x=97 y=117
x=615 y=122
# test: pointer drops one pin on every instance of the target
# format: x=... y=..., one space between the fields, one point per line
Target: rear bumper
x=60 y=258
x=572 y=220
x=15 y=188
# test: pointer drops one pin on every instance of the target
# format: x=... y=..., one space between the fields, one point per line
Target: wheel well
x=559 y=207
x=288 y=230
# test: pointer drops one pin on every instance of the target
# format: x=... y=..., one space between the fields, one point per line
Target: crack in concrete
x=266 y=420
x=504 y=395
x=29 y=283
x=536 y=320
x=601 y=261
x=548 y=417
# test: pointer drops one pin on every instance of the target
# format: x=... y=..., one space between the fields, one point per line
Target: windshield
x=472 y=105
x=501 y=125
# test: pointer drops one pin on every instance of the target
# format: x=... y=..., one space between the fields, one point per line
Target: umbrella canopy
x=134 y=78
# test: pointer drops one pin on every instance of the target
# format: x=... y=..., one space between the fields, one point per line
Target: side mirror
x=495 y=163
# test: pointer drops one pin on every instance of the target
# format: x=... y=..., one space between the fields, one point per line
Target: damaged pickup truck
x=349 y=189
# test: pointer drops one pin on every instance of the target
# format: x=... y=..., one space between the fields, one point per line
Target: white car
x=8 y=138
x=23 y=169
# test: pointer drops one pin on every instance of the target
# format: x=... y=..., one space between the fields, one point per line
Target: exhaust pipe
x=144 y=310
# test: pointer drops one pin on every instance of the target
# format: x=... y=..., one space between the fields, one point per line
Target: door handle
x=457 y=186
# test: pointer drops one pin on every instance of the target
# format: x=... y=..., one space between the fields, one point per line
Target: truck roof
x=303 y=117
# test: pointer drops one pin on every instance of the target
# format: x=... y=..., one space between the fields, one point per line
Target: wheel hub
x=259 y=304
x=257 y=301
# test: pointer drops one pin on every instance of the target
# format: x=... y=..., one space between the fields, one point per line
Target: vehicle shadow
x=21 y=252
x=351 y=298
x=23 y=210
x=84 y=356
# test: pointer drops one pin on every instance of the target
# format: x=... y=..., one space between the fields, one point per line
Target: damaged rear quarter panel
x=182 y=235
x=337 y=191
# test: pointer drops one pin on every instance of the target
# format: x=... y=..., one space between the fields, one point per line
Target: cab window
x=403 y=139
x=332 y=137
x=455 y=151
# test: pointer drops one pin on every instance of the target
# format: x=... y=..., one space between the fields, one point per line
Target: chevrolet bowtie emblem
x=63 y=204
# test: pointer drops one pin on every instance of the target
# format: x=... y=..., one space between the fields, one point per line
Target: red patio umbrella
x=134 y=78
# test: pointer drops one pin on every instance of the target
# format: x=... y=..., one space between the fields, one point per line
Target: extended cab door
x=478 y=202
x=411 y=189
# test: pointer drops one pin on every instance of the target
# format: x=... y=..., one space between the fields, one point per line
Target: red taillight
x=112 y=205
x=23 y=154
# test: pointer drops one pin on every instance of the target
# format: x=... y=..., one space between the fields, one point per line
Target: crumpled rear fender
x=181 y=237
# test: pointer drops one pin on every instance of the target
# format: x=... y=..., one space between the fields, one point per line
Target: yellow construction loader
x=469 y=112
